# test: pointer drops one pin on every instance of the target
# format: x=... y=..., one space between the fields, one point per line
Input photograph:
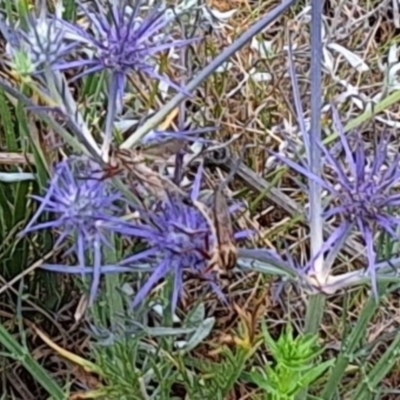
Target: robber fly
x=224 y=254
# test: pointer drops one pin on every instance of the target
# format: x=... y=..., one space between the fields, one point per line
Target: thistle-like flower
x=179 y=240
x=85 y=209
x=120 y=42
x=361 y=196
x=44 y=43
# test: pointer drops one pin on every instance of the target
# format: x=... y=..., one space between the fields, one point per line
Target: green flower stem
x=314 y=313
x=115 y=305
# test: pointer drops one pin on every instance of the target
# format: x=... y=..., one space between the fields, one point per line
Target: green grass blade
x=70 y=11
x=367 y=115
x=351 y=344
x=35 y=369
x=375 y=377
x=113 y=284
x=7 y=124
x=26 y=130
x=383 y=105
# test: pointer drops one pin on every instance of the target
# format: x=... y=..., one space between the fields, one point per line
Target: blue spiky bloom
x=83 y=208
x=362 y=197
x=121 y=42
x=44 y=43
x=179 y=240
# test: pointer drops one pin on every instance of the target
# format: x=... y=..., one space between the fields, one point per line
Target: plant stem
x=316 y=303
x=315 y=139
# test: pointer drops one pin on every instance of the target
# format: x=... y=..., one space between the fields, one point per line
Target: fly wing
x=166 y=149
x=224 y=230
x=222 y=218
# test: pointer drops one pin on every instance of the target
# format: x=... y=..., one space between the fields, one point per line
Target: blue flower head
x=179 y=240
x=84 y=210
x=44 y=43
x=120 y=41
x=362 y=196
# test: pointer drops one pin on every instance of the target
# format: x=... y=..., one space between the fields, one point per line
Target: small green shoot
x=296 y=365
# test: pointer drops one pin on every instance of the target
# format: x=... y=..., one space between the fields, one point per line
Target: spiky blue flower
x=44 y=43
x=120 y=41
x=179 y=240
x=360 y=196
x=83 y=210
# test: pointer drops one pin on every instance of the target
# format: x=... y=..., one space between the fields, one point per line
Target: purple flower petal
x=305 y=172
x=155 y=277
